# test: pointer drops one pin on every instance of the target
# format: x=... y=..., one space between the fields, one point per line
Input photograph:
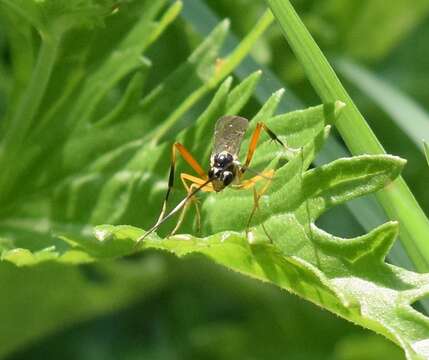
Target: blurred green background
x=158 y=307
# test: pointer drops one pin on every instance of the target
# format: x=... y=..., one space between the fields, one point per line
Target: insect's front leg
x=177 y=147
x=195 y=183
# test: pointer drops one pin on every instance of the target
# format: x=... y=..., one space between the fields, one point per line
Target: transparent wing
x=229 y=132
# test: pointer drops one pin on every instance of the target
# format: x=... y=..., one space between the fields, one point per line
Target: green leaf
x=346 y=276
x=105 y=173
x=24 y=257
x=351 y=287
x=398 y=200
x=325 y=269
x=367 y=212
x=97 y=152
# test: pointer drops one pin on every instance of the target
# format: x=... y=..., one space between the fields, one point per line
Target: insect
x=225 y=169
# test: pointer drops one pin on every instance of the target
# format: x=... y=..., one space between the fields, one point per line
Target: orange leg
x=200 y=184
x=256 y=196
x=190 y=160
x=268 y=174
x=195 y=183
x=247 y=184
x=250 y=183
x=197 y=167
x=254 y=142
x=265 y=175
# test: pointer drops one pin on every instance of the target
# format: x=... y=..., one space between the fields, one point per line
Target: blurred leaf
x=408 y=115
x=398 y=199
x=357 y=347
x=370 y=29
x=406 y=66
x=126 y=58
x=54 y=17
x=426 y=148
x=52 y=297
x=20 y=37
x=223 y=67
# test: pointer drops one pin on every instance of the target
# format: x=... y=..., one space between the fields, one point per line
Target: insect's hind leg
x=254 y=142
x=257 y=194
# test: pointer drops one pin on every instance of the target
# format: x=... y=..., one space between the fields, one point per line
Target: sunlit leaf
x=398 y=201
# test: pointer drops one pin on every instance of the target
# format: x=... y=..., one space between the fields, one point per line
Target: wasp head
x=222 y=170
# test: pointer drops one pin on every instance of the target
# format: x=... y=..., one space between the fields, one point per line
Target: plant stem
x=397 y=199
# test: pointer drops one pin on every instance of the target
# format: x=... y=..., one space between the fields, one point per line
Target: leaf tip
x=384 y=237
x=145 y=62
x=102 y=233
x=255 y=75
x=400 y=162
x=227 y=82
x=279 y=93
x=326 y=131
x=338 y=107
x=332 y=111
x=225 y=24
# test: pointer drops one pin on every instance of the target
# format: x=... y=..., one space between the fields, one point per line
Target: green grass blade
x=397 y=200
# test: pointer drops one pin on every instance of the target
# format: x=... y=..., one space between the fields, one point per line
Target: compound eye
x=227 y=177
x=224 y=159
